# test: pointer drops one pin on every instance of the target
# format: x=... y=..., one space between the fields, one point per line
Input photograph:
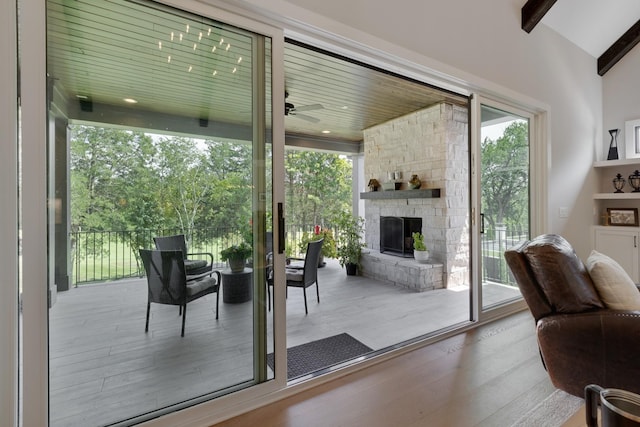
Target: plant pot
x=321 y=262
x=236 y=265
x=352 y=269
x=421 y=256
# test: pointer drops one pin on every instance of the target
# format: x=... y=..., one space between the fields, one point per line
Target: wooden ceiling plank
x=533 y=11
x=107 y=50
x=619 y=49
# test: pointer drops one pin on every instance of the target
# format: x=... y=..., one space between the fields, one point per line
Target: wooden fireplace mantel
x=427 y=193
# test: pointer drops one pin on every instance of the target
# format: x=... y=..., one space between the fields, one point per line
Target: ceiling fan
x=292 y=110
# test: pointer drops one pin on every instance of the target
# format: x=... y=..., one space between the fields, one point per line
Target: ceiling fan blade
x=304 y=117
x=310 y=107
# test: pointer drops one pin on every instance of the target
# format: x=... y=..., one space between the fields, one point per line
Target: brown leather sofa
x=581 y=342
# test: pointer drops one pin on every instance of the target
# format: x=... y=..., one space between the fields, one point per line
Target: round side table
x=237 y=287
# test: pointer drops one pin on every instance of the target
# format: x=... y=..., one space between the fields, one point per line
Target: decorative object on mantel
x=392 y=184
x=634 y=181
x=420 y=252
x=414 y=182
x=618 y=183
x=373 y=184
x=613 y=146
x=389 y=186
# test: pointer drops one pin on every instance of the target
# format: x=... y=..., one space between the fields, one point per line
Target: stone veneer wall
x=433 y=144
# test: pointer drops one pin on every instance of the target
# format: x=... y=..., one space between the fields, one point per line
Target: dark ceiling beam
x=619 y=49
x=533 y=11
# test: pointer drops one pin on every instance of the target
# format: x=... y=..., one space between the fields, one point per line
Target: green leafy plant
x=418 y=241
x=241 y=251
x=328 y=245
x=349 y=245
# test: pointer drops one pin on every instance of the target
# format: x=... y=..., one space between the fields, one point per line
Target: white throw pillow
x=615 y=287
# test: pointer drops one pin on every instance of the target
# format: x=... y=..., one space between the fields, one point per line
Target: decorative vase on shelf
x=414 y=183
x=634 y=181
x=618 y=183
x=613 y=146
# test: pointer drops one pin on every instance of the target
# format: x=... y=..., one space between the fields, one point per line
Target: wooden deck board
x=104 y=367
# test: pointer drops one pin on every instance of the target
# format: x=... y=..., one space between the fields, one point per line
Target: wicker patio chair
x=308 y=274
x=195 y=266
x=167 y=282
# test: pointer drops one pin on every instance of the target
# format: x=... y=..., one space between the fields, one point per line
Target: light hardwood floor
x=488 y=377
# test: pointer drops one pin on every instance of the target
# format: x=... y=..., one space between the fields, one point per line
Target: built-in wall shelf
x=617 y=196
x=427 y=193
x=619 y=162
x=605 y=176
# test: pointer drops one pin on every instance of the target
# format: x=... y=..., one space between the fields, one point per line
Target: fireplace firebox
x=395 y=235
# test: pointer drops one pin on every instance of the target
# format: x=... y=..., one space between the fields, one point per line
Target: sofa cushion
x=561 y=274
x=615 y=287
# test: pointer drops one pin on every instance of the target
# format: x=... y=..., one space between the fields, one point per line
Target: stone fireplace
x=433 y=144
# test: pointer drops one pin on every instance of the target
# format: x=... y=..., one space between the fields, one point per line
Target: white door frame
x=9 y=216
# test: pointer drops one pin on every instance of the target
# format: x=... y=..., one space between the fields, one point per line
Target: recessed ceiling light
x=326 y=131
x=344 y=107
x=130 y=100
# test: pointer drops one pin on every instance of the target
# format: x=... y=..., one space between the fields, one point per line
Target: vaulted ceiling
x=607 y=30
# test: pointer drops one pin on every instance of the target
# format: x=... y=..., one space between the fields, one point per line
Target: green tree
x=184 y=181
x=104 y=162
x=505 y=177
x=229 y=165
x=317 y=186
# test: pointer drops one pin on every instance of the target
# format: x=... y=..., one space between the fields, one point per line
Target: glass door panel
x=416 y=129
x=159 y=125
x=504 y=214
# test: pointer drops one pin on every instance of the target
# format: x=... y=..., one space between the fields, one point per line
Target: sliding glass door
x=504 y=194
x=159 y=125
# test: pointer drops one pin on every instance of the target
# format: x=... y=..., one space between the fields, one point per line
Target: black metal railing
x=494 y=242
x=100 y=256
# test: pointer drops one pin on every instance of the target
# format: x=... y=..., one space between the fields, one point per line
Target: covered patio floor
x=105 y=368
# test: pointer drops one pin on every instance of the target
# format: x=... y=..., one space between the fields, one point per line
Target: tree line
x=129 y=180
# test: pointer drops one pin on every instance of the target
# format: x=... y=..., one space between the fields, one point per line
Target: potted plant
x=328 y=245
x=236 y=256
x=349 y=247
x=420 y=252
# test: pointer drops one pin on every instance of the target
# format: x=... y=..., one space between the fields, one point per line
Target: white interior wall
x=481 y=45
x=621 y=96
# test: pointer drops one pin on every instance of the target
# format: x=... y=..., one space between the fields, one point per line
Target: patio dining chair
x=308 y=274
x=167 y=282
x=195 y=266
